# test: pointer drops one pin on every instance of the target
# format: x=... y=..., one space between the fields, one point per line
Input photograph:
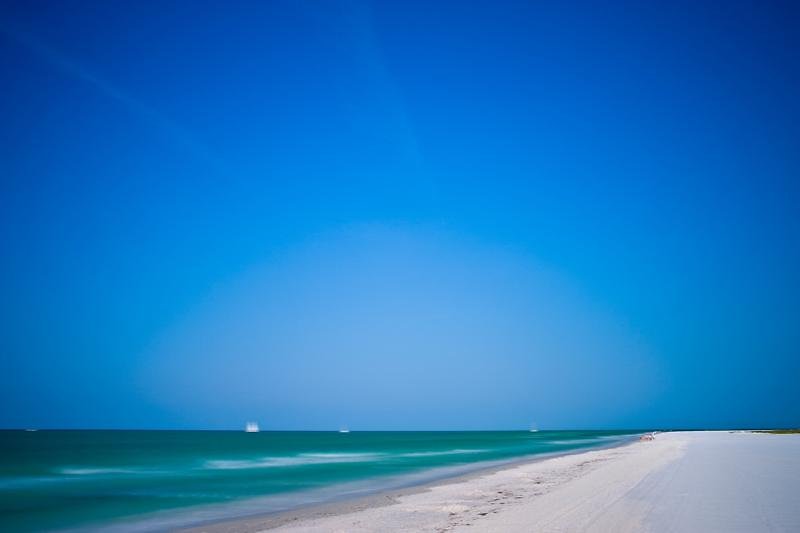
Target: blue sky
x=399 y=215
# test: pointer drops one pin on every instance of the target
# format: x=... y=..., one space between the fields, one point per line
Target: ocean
x=156 y=480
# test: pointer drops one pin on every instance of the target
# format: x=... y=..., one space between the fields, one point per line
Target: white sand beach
x=682 y=481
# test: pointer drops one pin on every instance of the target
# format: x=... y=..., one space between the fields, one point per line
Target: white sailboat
x=251 y=427
x=533 y=428
x=344 y=429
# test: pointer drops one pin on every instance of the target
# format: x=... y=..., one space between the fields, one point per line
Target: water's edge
x=151 y=481
x=377 y=496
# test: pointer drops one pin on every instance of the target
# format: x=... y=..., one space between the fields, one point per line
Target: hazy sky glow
x=399 y=215
x=378 y=323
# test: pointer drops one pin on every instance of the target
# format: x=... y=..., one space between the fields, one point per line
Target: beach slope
x=682 y=481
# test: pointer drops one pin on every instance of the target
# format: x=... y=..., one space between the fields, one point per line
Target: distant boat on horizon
x=533 y=428
x=251 y=427
x=344 y=429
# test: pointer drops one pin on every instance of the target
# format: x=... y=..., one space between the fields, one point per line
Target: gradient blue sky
x=399 y=215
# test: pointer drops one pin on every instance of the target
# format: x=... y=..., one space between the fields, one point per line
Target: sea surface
x=158 y=480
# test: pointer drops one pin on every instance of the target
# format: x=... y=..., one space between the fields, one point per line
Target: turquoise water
x=151 y=480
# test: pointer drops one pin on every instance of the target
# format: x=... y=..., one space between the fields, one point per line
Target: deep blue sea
x=157 y=480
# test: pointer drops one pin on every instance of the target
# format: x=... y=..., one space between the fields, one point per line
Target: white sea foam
x=96 y=471
x=295 y=460
x=321 y=458
x=442 y=452
x=358 y=456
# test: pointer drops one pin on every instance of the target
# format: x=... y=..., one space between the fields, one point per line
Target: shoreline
x=709 y=481
x=382 y=497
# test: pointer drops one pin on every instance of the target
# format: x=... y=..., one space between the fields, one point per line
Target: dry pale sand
x=686 y=481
